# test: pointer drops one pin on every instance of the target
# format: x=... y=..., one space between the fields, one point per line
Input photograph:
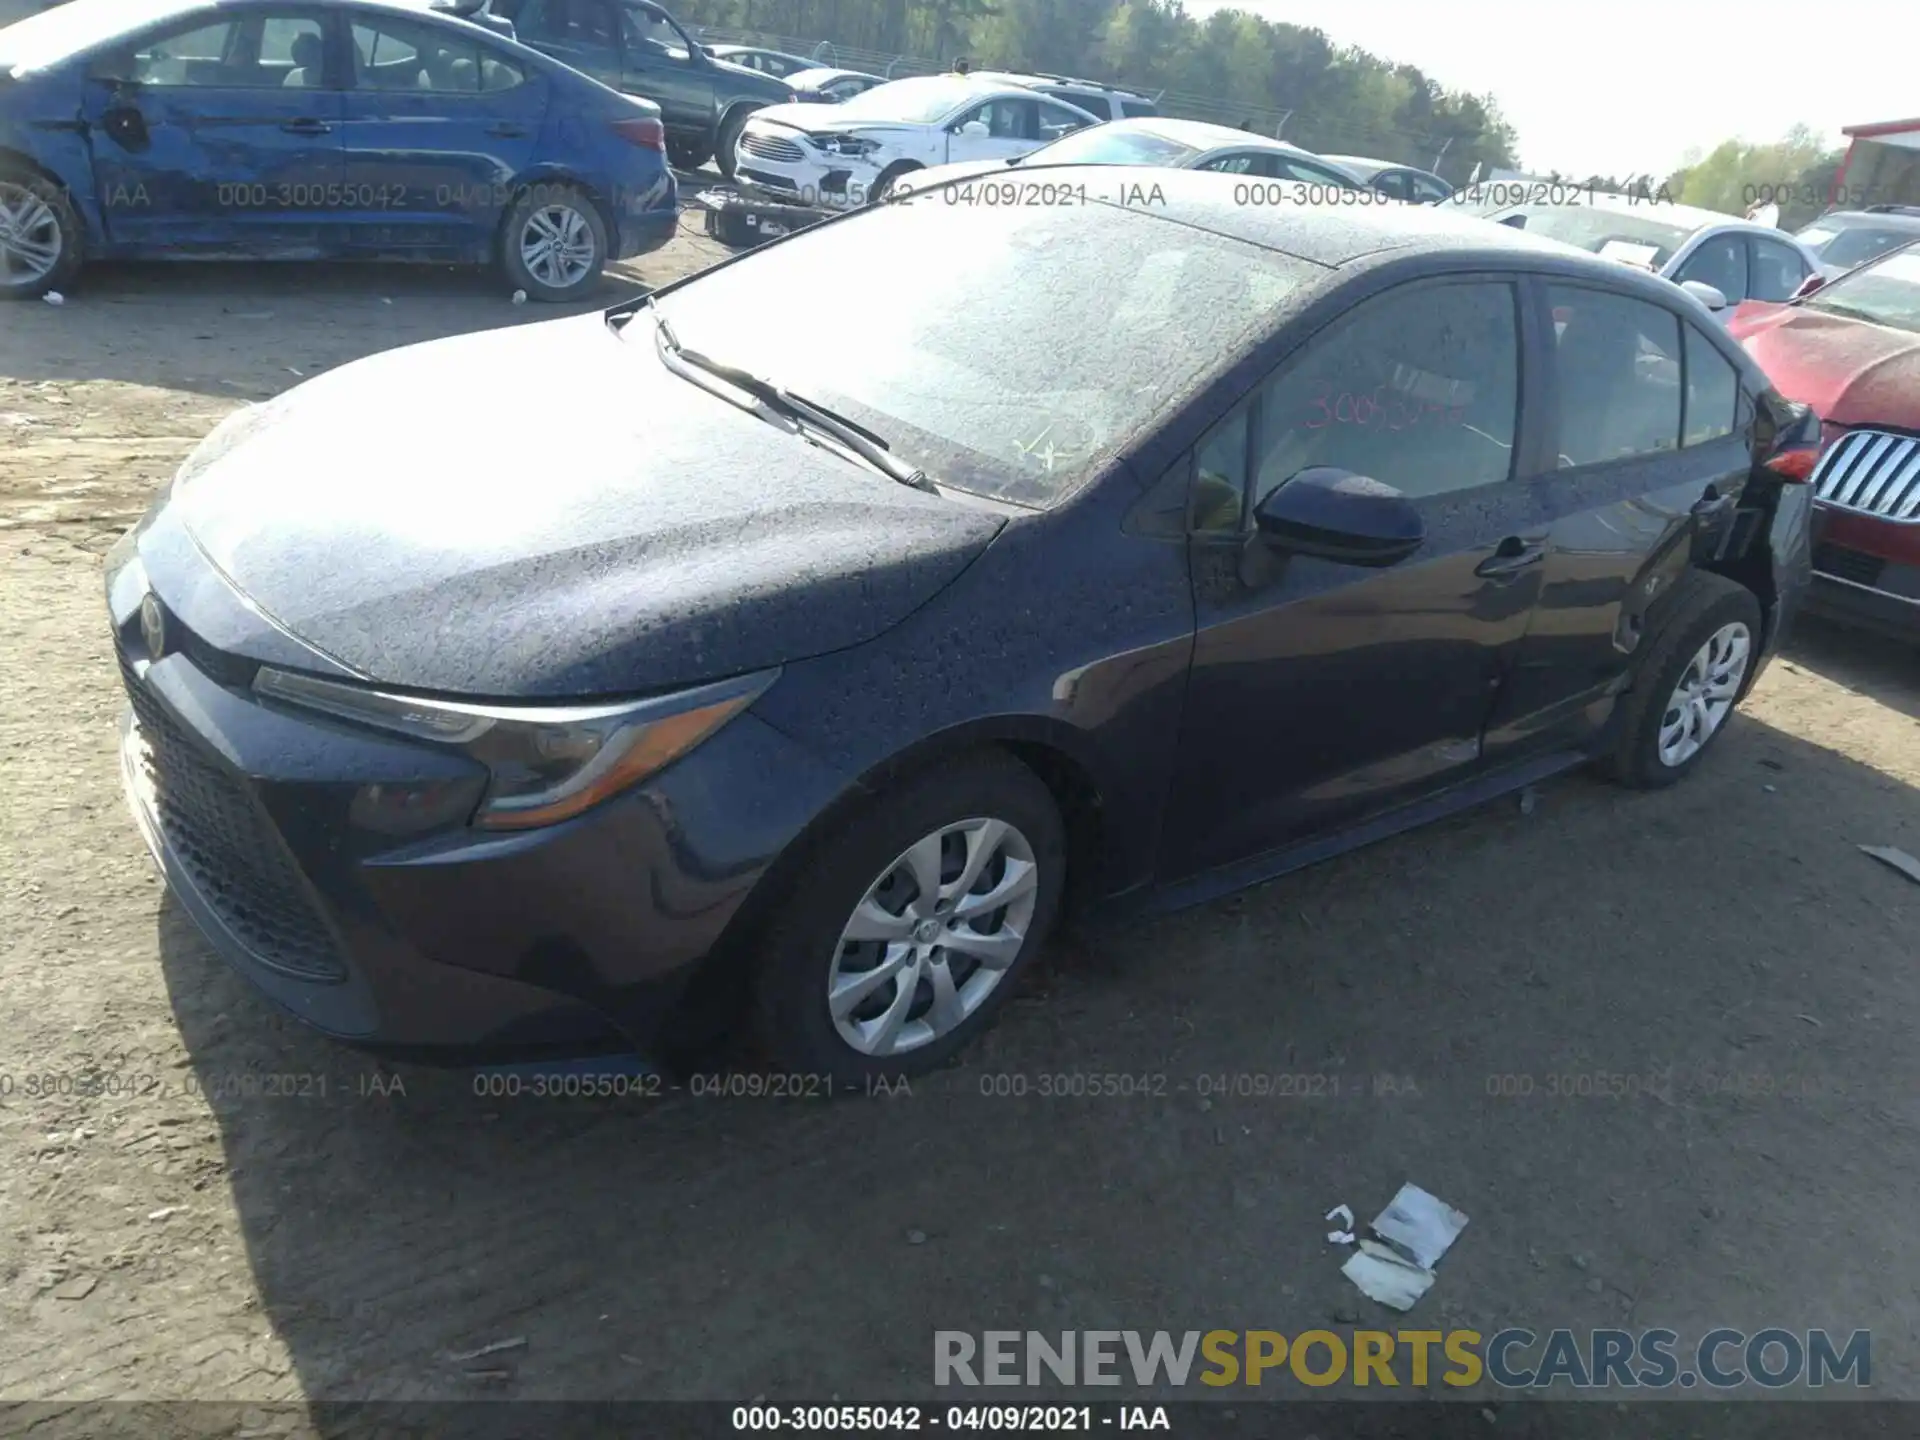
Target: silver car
x=1722 y=258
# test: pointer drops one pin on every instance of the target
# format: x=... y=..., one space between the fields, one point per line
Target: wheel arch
x=85 y=203
x=1052 y=750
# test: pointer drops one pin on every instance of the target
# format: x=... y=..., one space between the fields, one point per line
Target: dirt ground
x=180 y=1236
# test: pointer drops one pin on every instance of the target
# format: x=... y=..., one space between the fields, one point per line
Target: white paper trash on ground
x=1384 y=1276
x=1418 y=1227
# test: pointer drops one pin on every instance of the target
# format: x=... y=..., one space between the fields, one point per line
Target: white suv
x=1090 y=95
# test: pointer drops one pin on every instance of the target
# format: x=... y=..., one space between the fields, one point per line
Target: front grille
x=770 y=147
x=230 y=852
x=1874 y=472
x=1847 y=564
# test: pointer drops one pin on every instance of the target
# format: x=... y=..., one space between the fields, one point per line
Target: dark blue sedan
x=295 y=130
x=1135 y=552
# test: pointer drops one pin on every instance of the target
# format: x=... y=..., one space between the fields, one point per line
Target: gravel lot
x=176 y=1237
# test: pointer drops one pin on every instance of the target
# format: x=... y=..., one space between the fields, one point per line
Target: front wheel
x=891 y=176
x=903 y=937
x=39 y=236
x=1695 y=673
x=727 y=140
x=554 y=243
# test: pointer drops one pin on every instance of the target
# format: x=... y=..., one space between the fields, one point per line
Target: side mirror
x=1813 y=282
x=1336 y=515
x=1706 y=294
x=978 y=129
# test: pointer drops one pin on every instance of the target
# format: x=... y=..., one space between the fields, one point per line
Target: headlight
x=851 y=145
x=548 y=763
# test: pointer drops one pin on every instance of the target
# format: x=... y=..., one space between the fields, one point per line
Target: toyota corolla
x=1128 y=555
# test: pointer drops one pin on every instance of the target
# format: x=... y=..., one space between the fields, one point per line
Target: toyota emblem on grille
x=153 y=627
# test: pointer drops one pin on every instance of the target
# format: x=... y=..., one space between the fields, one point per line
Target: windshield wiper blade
x=866 y=445
x=783 y=405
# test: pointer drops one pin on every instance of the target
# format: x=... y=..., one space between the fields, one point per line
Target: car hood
x=803 y=116
x=547 y=511
x=1850 y=371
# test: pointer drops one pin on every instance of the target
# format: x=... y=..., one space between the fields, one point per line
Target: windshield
x=42 y=41
x=1856 y=245
x=1604 y=232
x=1113 y=145
x=1019 y=346
x=1886 y=294
x=919 y=101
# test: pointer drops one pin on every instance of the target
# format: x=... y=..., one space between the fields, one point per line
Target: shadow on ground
x=1658 y=1047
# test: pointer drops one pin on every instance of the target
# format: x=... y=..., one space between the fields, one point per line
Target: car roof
x=1333 y=234
x=821 y=74
x=1065 y=82
x=1896 y=219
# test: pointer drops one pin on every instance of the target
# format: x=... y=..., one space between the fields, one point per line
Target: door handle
x=307 y=127
x=1511 y=557
x=505 y=131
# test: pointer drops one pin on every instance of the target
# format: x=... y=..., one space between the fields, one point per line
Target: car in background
x=1842 y=239
x=826 y=664
x=828 y=86
x=842 y=156
x=1396 y=182
x=776 y=63
x=1736 y=260
x=1160 y=142
x=1851 y=350
x=637 y=47
x=1104 y=101
x=279 y=129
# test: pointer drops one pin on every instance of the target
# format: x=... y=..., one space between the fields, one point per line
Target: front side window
x=650 y=35
x=199 y=57
x=588 y=24
x=1290 y=167
x=1021 y=347
x=1418 y=389
x=1618 y=363
x=1719 y=261
x=1777 y=270
x=1135 y=109
x=1005 y=119
x=1713 y=390
x=1429 y=192
x=1393 y=184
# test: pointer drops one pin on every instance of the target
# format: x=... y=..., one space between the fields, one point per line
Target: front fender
x=43 y=129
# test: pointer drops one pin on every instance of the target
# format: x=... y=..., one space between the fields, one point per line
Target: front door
x=438 y=126
x=219 y=136
x=995 y=130
x=662 y=66
x=1321 y=692
x=1652 y=440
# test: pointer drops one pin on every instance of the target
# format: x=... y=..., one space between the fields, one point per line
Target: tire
x=884 y=185
x=554 y=211
x=43 y=244
x=867 y=867
x=688 y=154
x=1659 y=741
x=727 y=138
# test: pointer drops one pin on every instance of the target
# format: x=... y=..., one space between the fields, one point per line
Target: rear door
x=1652 y=442
x=220 y=135
x=438 y=126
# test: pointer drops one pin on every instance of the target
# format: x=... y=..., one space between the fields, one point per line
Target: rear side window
x=1618 y=364
x=397 y=55
x=1132 y=109
x=1417 y=388
x=1713 y=390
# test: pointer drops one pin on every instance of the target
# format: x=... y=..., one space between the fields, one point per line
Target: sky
x=1627 y=87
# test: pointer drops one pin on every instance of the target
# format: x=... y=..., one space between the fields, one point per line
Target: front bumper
x=459 y=946
x=838 y=182
x=1866 y=572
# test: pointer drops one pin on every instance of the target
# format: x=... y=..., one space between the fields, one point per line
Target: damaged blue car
x=248 y=130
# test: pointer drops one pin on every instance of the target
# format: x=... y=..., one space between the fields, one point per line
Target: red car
x=1850 y=348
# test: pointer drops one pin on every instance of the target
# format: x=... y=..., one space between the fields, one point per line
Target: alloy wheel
x=30 y=237
x=933 y=936
x=1705 y=694
x=557 y=245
